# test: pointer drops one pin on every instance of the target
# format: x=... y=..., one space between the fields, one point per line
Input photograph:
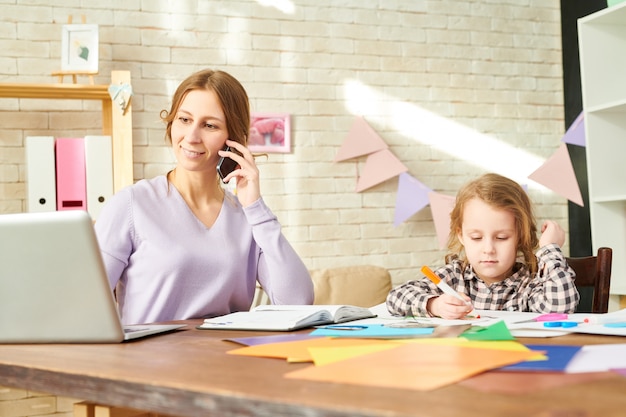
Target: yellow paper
x=297 y=351
x=413 y=366
x=325 y=355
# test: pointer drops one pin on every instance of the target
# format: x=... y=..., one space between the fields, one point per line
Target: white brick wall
x=483 y=71
x=429 y=77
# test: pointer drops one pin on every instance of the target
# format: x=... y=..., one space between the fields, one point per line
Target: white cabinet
x=602 y=44
x=115 y=123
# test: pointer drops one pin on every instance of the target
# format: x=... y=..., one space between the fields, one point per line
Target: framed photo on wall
x=79 y=48
x=270 y=132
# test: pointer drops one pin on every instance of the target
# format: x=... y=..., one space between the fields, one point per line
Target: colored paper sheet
x=575 y=135
x=273 y=338
x=412 y=196
x=379 y=167
x=441 y=206
x=375 y=331
x=298 y=351
x=598 y=358
x=412 y=366
x=557 y=173
x=326 y=355
x=497 y=331
x=555 y=359
x=361 y=140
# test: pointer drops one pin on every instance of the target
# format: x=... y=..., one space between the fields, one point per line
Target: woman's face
x=490 y=240
x=198 y=131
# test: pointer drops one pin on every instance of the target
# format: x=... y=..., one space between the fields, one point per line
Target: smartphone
x=226 y=165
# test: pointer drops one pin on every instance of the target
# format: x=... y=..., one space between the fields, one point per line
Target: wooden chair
x=594 y=272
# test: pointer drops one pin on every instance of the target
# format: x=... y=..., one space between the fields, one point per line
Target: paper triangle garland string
x=557 y=174
x=361 y=140
x=412 y=196
x=379 y=166
x=575 y=135
x=441 y=206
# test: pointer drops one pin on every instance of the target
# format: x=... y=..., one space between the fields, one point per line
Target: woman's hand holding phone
x=248 y=188
x=226 y=165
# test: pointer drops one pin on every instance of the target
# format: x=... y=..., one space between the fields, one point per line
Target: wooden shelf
x=116 y=124
x=56 y=91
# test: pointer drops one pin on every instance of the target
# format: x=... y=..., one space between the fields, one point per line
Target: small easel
x=61 y=74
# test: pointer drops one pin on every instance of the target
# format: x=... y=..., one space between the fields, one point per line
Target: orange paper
x=298 y=351
x=413 y=366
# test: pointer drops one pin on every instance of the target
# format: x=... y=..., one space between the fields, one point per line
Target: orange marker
x=442 y=285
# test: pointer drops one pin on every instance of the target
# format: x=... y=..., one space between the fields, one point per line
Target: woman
x=180 y=246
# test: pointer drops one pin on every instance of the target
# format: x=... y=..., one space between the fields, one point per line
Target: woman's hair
x=231 y=94
x=500 y=193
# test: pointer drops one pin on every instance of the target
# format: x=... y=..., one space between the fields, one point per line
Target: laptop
x=53 y=284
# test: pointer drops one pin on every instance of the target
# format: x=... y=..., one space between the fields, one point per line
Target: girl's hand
x=551 y=232
x=248 y=187
x=448 y=307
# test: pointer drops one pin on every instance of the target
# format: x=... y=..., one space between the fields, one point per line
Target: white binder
x=98 y=172
x=40 y=172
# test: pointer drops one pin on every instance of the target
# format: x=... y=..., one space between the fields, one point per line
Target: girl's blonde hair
x=500 y=193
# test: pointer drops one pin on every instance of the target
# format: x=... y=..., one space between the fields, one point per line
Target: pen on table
x=342 y=327
x=605 y=319
x=443 y=286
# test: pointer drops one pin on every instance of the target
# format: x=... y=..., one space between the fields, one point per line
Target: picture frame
x=79 y=48
x=270 y=132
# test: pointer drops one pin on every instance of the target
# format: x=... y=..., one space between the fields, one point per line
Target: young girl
x=496 y=261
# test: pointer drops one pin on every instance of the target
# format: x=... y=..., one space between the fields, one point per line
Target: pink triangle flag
x=361 y=140
x=441 y=206
x=379 y=167
x=575 y=135
x=557 y=174
x=412 y=196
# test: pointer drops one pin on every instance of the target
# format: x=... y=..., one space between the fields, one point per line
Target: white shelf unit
x=602 y=47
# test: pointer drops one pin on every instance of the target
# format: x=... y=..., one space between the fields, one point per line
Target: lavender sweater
x=167 y=265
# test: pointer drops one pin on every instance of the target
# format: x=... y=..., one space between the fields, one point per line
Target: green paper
x=497 y=331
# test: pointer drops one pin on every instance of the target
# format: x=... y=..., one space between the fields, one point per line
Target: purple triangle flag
x=575 y=135
x=412 y=196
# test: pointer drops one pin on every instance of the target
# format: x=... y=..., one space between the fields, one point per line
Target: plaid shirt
x=551 y=290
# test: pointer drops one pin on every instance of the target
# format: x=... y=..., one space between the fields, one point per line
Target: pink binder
x=70 y=170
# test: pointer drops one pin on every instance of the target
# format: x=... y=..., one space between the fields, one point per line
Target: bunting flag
x=441 y=206
x=575 y=135
x=412 y=197
x=557 y=174
x=361 y=140
x=379 y=166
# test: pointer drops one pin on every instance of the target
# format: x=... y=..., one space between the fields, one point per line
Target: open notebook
x=53 y=285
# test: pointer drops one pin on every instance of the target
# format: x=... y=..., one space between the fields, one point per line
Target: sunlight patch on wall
x=448 y=136
x=285 y=6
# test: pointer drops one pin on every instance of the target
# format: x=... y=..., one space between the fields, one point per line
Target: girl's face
x=198 y=131
x=490 y=240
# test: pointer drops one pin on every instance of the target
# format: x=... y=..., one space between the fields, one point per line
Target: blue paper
x=558 y=358
x=375 y=331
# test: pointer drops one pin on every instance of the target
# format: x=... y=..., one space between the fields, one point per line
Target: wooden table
x=187 y=373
